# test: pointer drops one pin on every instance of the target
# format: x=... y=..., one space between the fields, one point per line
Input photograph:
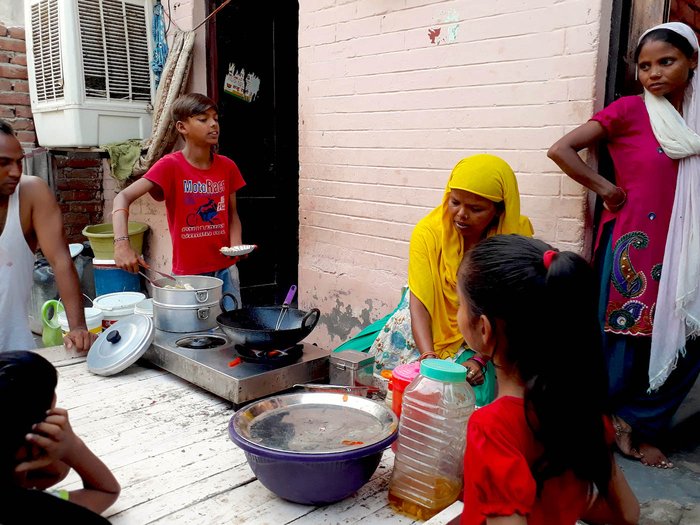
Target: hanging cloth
x=160 y=44
x=678 y=304
x=173 y=84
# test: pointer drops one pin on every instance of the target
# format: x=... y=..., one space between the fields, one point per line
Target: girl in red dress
x=541 y=452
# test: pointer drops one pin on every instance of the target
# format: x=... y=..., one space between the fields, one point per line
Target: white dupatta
x=677 y=314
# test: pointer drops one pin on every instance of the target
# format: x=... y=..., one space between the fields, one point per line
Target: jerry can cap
x=441 y=370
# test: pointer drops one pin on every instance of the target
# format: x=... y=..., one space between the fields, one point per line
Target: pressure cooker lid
x=315 y=423
x=121 y=345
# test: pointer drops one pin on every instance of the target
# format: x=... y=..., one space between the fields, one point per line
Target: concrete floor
x=672 y=497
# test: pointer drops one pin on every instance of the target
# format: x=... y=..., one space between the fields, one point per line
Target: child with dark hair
x=199 y=188
x=541 y=452
x=38 y=448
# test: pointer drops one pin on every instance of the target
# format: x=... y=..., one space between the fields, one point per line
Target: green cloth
x=362 y=342
x=122 y=157
x=364 y=339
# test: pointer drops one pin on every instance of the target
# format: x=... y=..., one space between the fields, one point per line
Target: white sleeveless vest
x=16 y=270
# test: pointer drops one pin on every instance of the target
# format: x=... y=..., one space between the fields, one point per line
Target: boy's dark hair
x=27 y=386
x=191 y=104
x=6 y=128
x=553 y=339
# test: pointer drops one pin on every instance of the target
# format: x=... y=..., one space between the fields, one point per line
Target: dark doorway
x=253 y=71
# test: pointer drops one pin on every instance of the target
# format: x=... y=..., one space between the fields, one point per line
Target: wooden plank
x=167 y=443
x=162 y=509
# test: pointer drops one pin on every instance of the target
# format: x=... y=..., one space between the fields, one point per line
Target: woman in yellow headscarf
x=481 y=199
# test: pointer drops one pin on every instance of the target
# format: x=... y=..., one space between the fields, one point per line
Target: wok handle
x=221 y=302
x=310 y=314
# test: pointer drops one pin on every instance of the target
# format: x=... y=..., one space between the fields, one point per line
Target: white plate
x=237 y=251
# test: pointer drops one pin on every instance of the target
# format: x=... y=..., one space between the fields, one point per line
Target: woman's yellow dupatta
x=437 y=249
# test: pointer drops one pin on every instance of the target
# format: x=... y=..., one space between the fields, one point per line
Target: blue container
x=110 y=279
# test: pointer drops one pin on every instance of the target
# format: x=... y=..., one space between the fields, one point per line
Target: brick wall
x=14 y=87
x=78 y=183
x=393 y=94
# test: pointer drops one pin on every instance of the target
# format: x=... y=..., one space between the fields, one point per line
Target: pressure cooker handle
x=308 y=316
x=222 y=302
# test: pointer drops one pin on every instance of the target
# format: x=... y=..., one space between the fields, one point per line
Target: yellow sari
x=436 y=248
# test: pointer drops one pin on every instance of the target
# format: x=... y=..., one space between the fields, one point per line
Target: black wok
x=254 y=326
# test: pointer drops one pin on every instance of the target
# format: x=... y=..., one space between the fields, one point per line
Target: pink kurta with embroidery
x=648 y=176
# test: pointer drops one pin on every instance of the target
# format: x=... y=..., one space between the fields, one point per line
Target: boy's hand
x=236 y=258
x=80 y=338
x=54 y=437
x=126 y=258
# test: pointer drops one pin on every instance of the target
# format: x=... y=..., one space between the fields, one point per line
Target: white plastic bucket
x=145 y=307
x=116 y=306
x=93 y=319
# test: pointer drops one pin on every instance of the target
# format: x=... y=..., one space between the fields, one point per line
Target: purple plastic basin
x=312 y=479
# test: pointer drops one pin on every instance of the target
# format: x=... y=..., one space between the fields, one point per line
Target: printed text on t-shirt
x=208 y=186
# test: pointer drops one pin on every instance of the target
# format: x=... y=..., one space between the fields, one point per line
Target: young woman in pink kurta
x=632 y=235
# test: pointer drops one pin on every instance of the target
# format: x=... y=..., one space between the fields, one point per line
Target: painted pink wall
x=392 y=95
x=388 y=105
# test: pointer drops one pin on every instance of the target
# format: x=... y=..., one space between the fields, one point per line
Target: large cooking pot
x=185 y=310
x=254 y=327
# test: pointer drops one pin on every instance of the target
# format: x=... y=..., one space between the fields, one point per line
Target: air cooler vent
x=88 y=61
x=114 y=43
x=46 y=46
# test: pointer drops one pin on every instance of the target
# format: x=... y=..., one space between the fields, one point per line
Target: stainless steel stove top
x=209 y=367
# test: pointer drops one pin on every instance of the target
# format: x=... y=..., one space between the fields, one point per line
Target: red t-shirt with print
x=197 y=204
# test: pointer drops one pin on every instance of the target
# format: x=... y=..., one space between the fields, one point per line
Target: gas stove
x=208 y=360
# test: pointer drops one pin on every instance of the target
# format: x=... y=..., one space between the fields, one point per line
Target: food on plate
x=237 y=251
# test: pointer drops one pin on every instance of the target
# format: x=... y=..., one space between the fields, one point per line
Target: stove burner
x=201 y=342
x=270 y=357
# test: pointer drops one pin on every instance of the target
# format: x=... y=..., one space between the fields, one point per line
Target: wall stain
x=341 y=320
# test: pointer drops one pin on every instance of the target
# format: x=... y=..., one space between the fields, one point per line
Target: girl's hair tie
x=547 y=258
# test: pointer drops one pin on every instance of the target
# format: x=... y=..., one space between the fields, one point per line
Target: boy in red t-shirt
x=199 y=188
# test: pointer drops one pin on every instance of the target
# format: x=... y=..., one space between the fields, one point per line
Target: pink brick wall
x=388 y=104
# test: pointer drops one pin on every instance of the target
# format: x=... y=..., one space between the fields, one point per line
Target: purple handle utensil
x=285 y=306
x=290 y=294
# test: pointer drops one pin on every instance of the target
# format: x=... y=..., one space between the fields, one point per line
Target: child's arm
x=48 y=476
x=619 y=507
x=565 y=153
x=124 y=255
x=234 y=222
x=56 y=438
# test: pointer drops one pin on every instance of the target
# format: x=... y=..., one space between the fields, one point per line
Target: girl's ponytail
x=546 y=302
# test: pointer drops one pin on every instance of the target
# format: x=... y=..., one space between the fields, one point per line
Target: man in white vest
x=30 y=218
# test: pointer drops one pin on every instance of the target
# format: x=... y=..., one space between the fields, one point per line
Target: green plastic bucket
x=101 y=237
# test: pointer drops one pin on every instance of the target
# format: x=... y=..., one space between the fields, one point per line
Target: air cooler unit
x=90 y=79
